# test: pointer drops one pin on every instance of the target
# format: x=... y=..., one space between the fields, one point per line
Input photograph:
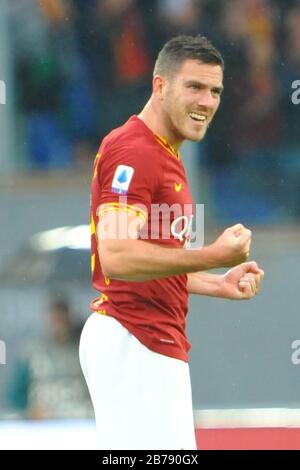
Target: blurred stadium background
x=70 y=70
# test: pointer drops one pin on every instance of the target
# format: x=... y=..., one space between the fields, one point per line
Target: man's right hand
x=233 y=246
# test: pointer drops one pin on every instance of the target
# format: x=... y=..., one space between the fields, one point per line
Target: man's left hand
x=242 y=282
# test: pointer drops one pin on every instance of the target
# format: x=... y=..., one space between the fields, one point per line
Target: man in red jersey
x=134 y=350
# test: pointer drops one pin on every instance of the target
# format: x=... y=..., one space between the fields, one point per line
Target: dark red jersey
x=137 y=171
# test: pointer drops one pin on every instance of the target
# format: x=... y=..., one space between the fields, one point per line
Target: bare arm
x=239 y=283
x=138 y=260
x=202 y=283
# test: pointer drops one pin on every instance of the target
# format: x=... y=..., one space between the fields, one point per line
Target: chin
x=195 y=137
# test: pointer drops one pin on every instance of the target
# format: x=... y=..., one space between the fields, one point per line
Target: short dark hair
x=181 y=48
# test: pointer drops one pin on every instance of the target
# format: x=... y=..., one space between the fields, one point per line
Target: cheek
x=217 y=105
x=177 y=107
x=174 y=107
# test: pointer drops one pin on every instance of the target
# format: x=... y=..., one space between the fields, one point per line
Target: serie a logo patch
x=122 y=179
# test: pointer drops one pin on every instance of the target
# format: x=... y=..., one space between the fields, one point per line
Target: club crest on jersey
x=122 y=179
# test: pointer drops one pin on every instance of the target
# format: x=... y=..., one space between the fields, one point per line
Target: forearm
x=137 y=260
x=202 y=283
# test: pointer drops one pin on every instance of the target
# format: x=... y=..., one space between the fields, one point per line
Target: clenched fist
x=233 y=246
x=241 y=282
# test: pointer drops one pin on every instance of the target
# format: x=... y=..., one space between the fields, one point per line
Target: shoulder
x=133 y=141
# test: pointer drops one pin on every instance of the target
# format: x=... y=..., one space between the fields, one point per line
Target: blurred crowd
x=83 y=67
x=46 y=380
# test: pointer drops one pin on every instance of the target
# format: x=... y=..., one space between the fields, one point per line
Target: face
x=190 y=99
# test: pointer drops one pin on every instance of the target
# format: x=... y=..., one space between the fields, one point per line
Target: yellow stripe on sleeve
x=111 y=207
x=93 y=226
x=93 y=261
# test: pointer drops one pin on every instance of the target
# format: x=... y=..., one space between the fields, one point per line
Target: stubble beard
x=180 y=122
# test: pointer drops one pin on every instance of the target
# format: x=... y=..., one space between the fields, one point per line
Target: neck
x=153 y=117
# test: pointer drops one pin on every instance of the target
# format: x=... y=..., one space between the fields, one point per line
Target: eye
x=216 y=91
x=194 y=87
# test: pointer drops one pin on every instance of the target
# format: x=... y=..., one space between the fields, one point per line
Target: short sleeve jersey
x=138 y=171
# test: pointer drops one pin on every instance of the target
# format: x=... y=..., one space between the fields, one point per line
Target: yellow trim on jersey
x=119 y=204
x=106 y=280
x=101 y=312
x=97 y=303
x=116 y=206
x=93 y=262
x=165 y=144
x=93 y=226
x=102 y=298
x=119 y=209
x=98 y=156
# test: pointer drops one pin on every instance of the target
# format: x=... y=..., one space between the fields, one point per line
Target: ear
x=158 y=86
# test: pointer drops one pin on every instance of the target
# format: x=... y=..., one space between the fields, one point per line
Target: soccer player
x=134 y=349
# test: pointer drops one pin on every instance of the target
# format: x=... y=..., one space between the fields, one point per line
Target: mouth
x=198 y=117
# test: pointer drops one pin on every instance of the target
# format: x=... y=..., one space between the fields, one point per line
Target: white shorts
x=142 y=399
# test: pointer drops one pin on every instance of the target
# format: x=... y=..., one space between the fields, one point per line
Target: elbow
x=106 y=271
x=108 y=260
x=108 y=268
x=114 y=262
x=112 y=267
